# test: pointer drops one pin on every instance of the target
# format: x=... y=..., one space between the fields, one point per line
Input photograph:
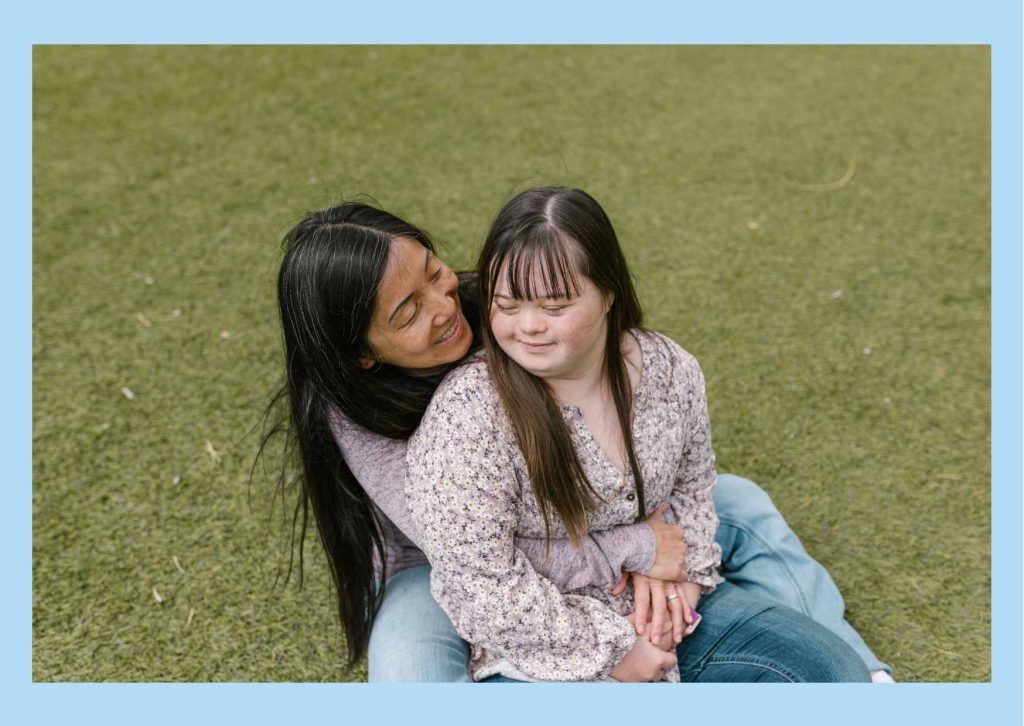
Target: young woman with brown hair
x=578 y=420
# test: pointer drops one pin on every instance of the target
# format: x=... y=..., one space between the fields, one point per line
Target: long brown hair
x=562 y=233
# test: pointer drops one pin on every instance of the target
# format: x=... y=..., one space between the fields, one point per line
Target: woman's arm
x=463 y=493
x=691 y=500
x=378 y=463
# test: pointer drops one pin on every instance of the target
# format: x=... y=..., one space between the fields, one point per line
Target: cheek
x=501 y=325
x=403 y=349
x=581 y=331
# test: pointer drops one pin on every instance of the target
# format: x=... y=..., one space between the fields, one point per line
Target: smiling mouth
x=535 y=346
x=454 y=328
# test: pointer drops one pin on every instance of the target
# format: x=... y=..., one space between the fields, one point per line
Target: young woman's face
x=417 y=323
x=552 y=337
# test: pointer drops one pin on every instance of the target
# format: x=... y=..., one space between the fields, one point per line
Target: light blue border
x=523 y=21
x=751 y=21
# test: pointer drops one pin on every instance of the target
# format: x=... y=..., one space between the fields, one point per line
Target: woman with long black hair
x=372 y=322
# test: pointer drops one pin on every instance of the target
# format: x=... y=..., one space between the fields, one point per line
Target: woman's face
x=552 y=337
x=417 y=323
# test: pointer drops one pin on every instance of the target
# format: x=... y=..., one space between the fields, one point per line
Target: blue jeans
x=413 y=639
x=762 y=555
x=749 y=639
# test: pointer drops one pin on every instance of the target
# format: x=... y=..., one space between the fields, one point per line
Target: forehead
x=404 y=271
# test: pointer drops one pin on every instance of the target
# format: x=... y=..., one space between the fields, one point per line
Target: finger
x=660 y=511
x=671 y=661
x=677 y=608
x=620 y=586
x=668 y=661
x=692 y=626
x=657 y=609
x=684 y=603
x=643 y=602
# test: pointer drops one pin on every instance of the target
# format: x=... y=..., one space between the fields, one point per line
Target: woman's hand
x=661 y=603
x=670 y=547
x=664 y=610
x=643 y=663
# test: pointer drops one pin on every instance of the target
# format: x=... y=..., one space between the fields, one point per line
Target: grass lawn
x=811 y=223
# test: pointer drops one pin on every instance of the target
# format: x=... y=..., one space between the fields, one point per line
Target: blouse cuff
x=627 y=547
x=708 y=579
x=641 y=547
x=623 y=642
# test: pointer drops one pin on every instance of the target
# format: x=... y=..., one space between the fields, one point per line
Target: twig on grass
x=851 y=169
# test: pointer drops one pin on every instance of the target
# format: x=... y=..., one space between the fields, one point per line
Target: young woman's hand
x=670 y=547
x=666 y=621
x=660 y=603
x=644 y=662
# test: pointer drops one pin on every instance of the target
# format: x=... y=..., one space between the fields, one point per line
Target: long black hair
x=334 y=261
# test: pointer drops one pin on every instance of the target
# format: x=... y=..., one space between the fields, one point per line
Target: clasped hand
x=665 y=601
x=653 y=651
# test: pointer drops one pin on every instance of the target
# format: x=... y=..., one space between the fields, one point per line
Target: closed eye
x=435 y=277
x=407 y=323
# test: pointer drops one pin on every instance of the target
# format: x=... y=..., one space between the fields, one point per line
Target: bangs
x=538 y=264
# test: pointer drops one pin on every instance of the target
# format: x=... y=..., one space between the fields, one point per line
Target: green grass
x=844 y=333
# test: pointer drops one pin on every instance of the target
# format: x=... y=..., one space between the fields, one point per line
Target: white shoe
x=881 y=677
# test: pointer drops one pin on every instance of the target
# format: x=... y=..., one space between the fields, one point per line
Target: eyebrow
x=407 y=298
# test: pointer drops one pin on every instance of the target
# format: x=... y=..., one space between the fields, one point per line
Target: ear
x=608 y=300
x=366 y=362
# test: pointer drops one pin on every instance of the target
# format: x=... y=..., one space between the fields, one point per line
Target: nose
x=532 y=322
x=443 y=303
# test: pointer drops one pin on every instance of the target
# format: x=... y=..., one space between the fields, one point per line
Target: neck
x=424 y=372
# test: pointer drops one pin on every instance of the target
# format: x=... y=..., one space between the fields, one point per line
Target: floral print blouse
x=378 y=463
x=470 y=496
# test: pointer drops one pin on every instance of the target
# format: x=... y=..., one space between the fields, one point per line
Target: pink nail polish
x=692 y=626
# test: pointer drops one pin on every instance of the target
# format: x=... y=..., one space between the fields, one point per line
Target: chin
x=460 y=353
x=534 y=369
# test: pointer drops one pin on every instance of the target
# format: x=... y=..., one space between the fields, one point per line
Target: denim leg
x=412 y=638
x=762 y=555
x=499 y=679
x=745 y=638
